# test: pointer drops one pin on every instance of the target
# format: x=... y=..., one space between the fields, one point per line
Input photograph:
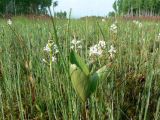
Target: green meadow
x=31 y=88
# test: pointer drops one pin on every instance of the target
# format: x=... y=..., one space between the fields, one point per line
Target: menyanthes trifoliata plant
x=114 y=31
x=76 y=44
x=139 y=24
x=84 y=80
x=97 y=49
x=113 y=28
x=51 y=50
x=111 y=52
x=103 y=20
x=9 y=22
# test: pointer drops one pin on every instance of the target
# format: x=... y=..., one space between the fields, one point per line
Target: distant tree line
x=137 y=7
x=24 y=6
x=92 y=17
x=61 y=14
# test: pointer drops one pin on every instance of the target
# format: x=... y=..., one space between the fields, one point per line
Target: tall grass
x=29 y=91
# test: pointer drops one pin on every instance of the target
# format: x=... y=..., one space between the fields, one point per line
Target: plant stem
x=85 y=110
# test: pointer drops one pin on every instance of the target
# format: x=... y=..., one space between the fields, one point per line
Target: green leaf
x=78 y=61
x=102 y=72
x=80 y=81
x=93 y=82
x=83 y=82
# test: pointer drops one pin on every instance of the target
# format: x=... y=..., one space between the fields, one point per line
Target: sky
x=82 y=8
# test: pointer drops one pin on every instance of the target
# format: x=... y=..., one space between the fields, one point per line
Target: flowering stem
x=50 y=63
x=66 y=70
x=85 y=110
x=101 y=31
x=51 y=75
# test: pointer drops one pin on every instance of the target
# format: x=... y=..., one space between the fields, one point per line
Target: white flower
x=44 y=60
x=103 y=20
x=52 y=50
x=72 y=47
x=9 y=22
x=112 y=50
x=74 y=41
x=113 y=28
x=135 y=22
x=54 y=59
x=47 y=48
x=51 y=47
x=73 y=67
x=55 y=48
x=76 y=44
x=139 y=24
x=95 y=50
x=102 y=44
x=80 y=47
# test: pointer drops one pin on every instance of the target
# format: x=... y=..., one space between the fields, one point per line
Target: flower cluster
x=52 y=50
x=139 y=24
x=113 y=28
x=112 y=51
x=103 y=20
x=76 y=44
x=50 y=46
x=9 y=22
x=97 y=49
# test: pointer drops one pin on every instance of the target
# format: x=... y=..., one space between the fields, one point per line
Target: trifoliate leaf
x=80 y=81
x=77 y=60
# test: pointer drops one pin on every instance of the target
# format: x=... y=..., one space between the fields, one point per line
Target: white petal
x=80 y=47
x=72 y=47
x=54 y=59
x=9 y=22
